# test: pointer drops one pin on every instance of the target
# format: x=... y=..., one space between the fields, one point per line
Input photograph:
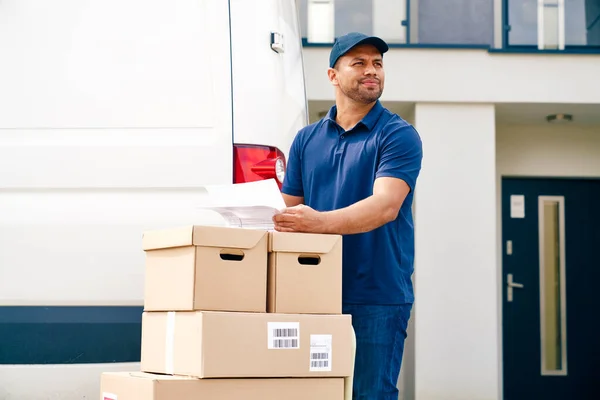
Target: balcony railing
x=401 y=22
x=526 y=24
x=552 y=24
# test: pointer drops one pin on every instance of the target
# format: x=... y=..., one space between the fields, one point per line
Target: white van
x=113 y=115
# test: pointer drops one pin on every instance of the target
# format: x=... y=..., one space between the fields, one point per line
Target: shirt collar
x=368 y=120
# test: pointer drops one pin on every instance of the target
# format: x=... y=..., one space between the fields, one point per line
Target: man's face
x=359 y=74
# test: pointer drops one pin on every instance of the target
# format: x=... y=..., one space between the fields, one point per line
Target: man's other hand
x=300 y=218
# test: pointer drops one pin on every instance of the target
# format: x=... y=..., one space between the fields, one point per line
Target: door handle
x=510 y=285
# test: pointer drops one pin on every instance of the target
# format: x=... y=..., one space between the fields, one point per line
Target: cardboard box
x=209 y=344
x=206 y=268
x=305 y=273
x=143 y=386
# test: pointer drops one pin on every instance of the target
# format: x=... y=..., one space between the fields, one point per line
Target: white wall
x=549 y=150
x=451 y=75
x=456 y=354
x=406 y=380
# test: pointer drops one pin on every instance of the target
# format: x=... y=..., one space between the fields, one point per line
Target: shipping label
x=283 y=335
x=320 y=352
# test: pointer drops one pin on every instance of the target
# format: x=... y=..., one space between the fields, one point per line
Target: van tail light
x=255 y=162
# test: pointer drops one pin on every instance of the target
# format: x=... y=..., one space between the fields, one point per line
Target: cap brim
x=375 y=41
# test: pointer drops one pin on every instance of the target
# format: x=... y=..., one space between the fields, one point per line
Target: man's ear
x=332 y=74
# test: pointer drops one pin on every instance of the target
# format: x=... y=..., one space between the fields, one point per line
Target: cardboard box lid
x=200 y=235
x=150 y=376
x=145 y=386
x=295 y=242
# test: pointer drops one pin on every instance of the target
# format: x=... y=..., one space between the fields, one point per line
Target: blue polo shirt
x=332 y=169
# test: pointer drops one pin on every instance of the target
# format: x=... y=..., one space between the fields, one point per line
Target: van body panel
x=118 y=115
x=105 y=94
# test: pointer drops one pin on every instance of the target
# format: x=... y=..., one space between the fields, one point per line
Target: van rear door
x=269 y=100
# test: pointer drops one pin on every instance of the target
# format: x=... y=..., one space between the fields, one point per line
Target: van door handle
x=510 y=285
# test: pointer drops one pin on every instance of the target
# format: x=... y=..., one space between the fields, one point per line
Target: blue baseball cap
x=343 y=44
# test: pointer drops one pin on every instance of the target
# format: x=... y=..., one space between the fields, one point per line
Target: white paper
x=264 y=193
x=108 y=396
x=283 y=335
x=251 y=217
x=247 y=205
x=320 y=352
x=517 y=206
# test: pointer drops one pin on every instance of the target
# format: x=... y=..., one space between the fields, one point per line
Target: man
x=353 y=173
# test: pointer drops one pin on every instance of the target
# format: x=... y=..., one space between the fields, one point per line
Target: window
x=552 y=286
x=553 y=24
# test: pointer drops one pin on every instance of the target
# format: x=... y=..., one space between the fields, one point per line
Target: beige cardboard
x=207 y=344
x=206 y=268
x=305 y=273
x=144 y=386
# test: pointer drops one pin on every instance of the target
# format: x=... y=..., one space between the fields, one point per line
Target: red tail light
x=254 y=163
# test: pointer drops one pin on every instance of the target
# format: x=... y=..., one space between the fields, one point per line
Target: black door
x=551 y=288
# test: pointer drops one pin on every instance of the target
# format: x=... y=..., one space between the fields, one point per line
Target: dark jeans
x=380 y=334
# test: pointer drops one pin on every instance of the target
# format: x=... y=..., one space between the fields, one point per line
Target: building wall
x=548 y=150
x=456 y=344
x=445 y=75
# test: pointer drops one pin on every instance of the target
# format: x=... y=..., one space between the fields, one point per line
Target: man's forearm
x=291 y=201
x=363 y=216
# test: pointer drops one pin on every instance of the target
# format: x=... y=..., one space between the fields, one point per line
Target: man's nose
x=370 y=69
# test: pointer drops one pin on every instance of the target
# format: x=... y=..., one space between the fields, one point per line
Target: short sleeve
x=292 y=182
x=401 y=153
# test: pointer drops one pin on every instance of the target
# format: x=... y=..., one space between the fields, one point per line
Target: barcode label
x=285 y=332
x=320 y=365
x=109 y=396
x=320 y=352
x=319 y=360
x=285 y=343
x=283 y=335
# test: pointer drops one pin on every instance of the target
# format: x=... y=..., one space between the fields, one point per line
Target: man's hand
x=365 y=215
x=300 y=218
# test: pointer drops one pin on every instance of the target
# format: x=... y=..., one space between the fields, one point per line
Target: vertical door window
x=389 y=20
x=551 y=24
x=320 y=22
x=552 y=286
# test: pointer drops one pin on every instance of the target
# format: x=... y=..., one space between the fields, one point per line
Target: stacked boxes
x=235 y=313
